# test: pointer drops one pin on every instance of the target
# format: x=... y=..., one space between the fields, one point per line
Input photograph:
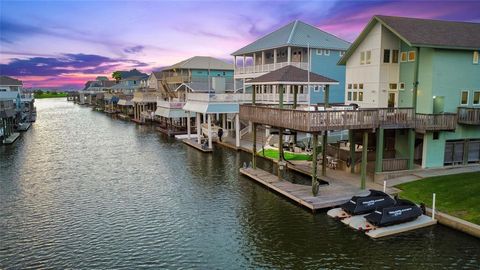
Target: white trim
x=414 y=56
x=468 y=97
x=326 y=52
x=319 y=52
x=401 y=57
x=400 y=86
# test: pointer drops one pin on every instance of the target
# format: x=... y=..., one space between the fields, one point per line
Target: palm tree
x=117 y=75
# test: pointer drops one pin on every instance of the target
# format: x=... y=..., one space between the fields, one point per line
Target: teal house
x=298 y=44
x=430 y=66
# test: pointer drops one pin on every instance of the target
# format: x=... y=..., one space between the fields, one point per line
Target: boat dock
x=12 y=138
x=194 y=144
x=329 y=196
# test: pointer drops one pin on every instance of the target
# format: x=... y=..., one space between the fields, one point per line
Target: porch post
x=254 y=94
x=289 y=55
x=379 y=151
x=274 y=58
x=352 y=150
x=188 y=125
x=204 y=118
x=254 y=62
x=199 y=129
x=263 y=60
x=314 y=165
x=209 y=123
x=295 y=93
x=465 y=152
x=363 y=171
x=326 y=96
x=224 y=121
x=280 y=95
x=280 y=150
x=254 y=146
x=411 y=148
x=324 y=152
x=237 y=130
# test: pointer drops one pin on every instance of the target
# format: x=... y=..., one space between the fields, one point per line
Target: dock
x=420 y=222
x=330 y=195
x=194 y=144
x=12 y=138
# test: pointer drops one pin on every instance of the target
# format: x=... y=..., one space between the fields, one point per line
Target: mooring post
x=315 y=184
x=363 y=171
x=254 y=146
x=324 y=153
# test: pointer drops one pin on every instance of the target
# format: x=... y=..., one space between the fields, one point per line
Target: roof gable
x=296 y=33
x=201 y=62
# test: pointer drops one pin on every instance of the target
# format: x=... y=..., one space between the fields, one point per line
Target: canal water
x=83 y=190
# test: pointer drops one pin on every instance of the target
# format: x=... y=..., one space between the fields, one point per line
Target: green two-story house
x=431 y=66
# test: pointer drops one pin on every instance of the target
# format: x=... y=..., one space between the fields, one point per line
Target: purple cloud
x=134 y=49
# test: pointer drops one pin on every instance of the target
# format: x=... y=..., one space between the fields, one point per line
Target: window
x=464 y=98
x=403 y=57
x=360 y=96
x=316 y=88
x=349 y=86
x=341 y=53
x=435 y=135
x=402 y=86
x=475 y=57
x=326 y=52
x=319 y=52
x=349 y=96
x=386 y=56
x=394 y=56
x=360 y=86
x=134 y=82
x=368 y=57
x=411 y=56
x=476 y=98
x=354 y=96
x=393 y=86
x=362 y=58
x=355 y=86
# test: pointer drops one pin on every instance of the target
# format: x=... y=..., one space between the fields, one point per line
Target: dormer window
x=326 y=52
x=319 y=52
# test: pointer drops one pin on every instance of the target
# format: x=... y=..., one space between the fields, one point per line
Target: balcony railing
x=170 y=104
x=314 y=121
x=469 y=116
x=274 y=98
x=394 y=164
x=268 y=67
x=147 y=97
x=435 y=122
x=219 y=98
x=177 y=79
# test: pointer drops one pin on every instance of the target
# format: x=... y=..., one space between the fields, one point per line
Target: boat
x=361 y=205
x=403 y=211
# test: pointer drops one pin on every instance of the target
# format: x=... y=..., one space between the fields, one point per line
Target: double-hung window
x=464 y=98
x=476 y=97
x=386 y=56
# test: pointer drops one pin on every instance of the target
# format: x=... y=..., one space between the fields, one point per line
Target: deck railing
x=314 y=121
x=219 y=97
x=174 y=104
x=469 y=116
x=435 y=122
x=394 y=164
x=269 y=67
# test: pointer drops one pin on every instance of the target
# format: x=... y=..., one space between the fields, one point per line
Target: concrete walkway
x=424 y=173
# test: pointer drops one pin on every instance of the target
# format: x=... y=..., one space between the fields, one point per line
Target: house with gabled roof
x=298 y=44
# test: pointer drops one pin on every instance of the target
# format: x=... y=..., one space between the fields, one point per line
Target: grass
x=50 y=95
x=272 y=153
x=457 y=194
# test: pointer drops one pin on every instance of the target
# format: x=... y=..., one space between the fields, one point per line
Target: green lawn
x=50 y=95
x=273 y=153
x=457 y=195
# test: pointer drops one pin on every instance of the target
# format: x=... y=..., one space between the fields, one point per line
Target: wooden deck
x=194 y=144
x=469 y=116
x=329 y=196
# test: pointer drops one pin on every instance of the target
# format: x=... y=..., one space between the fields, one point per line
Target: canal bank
x=117 y=195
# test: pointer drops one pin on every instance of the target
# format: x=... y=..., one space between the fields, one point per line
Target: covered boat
x=402 y=211
x=359 y=205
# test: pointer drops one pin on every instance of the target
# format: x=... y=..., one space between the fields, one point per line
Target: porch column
x=280 y=96
x=465 y=152
x=209 y=123
x=274 y=58
x=315 y=184
x=188 y=125
x=280 y=150
x=263 y=60
x=352 y=150
x=379 y=151
x=254 y=62
x=254 y=94
x=199 y=129
x=243 y=63
x=363 y=171
x=411 y=148
x=326 y=96
x=324 y=152
x=204 y=118
x=237 y=130
x=254 y=146
x=224 y=121
x=295 y=93
x=289 y=55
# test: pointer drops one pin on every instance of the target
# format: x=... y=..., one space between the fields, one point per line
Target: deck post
x=280 y=151
x=411 y=148
x=224 y=121
x=237 y=130
x=254 y=94
x=254 y=146
x=280 y=96
x=379 y=150
x=315 y=184
x=188 y=125
x=465 y=152
x=295 y=94
x=326 y=96
x=324 y=152
x=199 y=129
x=351 y=141
x=209 y=123
x=363 y=171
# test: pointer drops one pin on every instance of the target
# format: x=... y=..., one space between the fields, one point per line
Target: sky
x=63 y=44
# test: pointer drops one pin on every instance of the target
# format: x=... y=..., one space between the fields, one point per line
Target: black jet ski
x=403 y=211
x=359 y=205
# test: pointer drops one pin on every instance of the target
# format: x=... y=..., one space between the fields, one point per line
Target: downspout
x=415 y=80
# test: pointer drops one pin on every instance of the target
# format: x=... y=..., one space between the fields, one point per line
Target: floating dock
x=194 y=144
x=12 y=138
x=328 y=196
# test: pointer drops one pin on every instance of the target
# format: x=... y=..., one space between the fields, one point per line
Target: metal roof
x=5 y=80
x=291 y=74
x=296 y=33
x=201 y=62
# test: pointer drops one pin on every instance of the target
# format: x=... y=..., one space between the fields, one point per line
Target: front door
x=392 y=99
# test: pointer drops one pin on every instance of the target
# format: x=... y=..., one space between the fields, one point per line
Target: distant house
x=431 y=66
x=10 y=84
x=298 y=44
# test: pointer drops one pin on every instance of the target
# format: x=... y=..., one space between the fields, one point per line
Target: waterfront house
x=298 y=44
x=430 y=66
x=93 y=91
x=190 y=87
x=7 y=121
x=24 y=102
